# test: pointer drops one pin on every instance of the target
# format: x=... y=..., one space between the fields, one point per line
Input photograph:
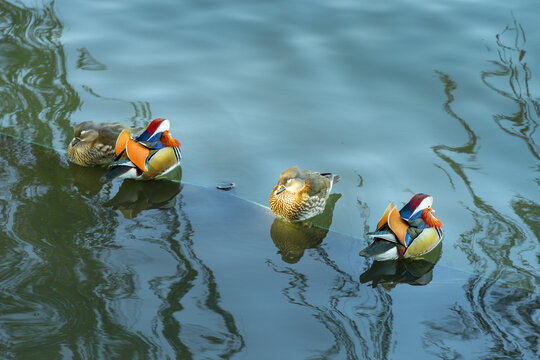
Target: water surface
x=396 y=97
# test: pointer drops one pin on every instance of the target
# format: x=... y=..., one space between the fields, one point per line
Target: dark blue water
x=396 y=97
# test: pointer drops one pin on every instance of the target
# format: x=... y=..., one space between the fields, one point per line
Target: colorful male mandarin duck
x=301 y=194
x=412 y=231
x=151 y=155
x=93 y=144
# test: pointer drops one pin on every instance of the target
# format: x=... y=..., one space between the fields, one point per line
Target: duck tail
x=334 y=178
x=114 y=172
x=380 y=250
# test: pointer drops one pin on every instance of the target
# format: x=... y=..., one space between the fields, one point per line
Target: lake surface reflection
x=398 y=98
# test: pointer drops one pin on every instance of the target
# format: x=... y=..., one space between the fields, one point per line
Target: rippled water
x=396 y=97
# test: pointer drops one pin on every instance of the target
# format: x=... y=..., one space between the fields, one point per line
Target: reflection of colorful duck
x=93 y=144
x=301 y=194
x=136 y=196
x=293 y=238
x=152 y=155
x=411 y=232
x=415 y=271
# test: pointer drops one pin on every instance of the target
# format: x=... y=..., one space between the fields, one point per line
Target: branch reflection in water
x=96 y=285
x=77 y=281
x=191 y=317
x=503 y=314
x=82 y=280
x=497 y=322
x=512 y=67
x=36 y=98
x=360 y=322
x=488 y=244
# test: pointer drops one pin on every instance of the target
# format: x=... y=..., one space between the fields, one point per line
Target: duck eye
x=83 y=132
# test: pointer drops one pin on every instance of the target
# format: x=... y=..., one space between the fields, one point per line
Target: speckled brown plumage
x=301 y=194
x=93 y=144
x=293 y=238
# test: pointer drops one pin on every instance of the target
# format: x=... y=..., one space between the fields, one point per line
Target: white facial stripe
x=427 y=202
x=165 y=125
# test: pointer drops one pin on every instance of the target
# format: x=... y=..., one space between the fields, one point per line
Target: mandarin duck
x=293 y=238
x=93 y=144
x=301 y=194
x=151 y=155
x=410 y=232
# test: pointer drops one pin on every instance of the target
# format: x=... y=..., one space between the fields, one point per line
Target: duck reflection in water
x=134 y=196
x=415 y=271
x=87 y=179
x=292 y=239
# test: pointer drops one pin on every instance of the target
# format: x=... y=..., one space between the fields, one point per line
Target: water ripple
x=512 y=66
x=489 y=243
x=36 y=97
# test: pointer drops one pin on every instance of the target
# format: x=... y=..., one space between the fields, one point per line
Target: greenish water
x=397 y=97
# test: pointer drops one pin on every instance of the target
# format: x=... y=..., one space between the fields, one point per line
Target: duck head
x=290 y=180
x=414 y=208
x=420 y=206
x=80 y=149
x=154 y=130
x=85 y=132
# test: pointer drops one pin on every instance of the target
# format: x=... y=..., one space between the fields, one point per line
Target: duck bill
x=279 y=190
x=74 y=142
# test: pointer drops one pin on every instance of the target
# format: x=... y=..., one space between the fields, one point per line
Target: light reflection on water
x=150 y=270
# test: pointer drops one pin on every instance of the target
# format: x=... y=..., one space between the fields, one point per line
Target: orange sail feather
x=168 y=140
x=430 y=219
x=121 y=142
x=384 y=218
x=397 y=225
x=137 y=154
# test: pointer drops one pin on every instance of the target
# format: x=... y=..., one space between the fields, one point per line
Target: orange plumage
x=168 y=140
x=398 y=226
x=430 y=219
